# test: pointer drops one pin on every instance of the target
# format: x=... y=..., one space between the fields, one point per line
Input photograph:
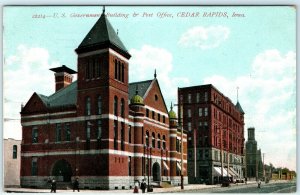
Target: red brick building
x=215 y=134
x=102 y=129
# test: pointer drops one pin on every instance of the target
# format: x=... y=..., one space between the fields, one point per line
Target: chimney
x=63 y=77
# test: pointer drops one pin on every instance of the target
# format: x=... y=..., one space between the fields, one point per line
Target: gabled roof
x=239 y=107
x=141 y=86
x=63 y=97
x=102 y=35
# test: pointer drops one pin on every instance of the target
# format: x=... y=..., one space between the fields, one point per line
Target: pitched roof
x=142 y=88
x=63 y=97
x=239 y=107
x=102 y=35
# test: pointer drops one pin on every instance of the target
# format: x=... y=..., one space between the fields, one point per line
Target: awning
x=217 y=171
x=165 y=165
x=233 y=172
x=225 y=172
x=178 y=166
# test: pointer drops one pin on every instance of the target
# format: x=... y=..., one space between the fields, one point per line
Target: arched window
x=99 y=105
x=158 y=141
x=122 y=108
x=153 y=140
x=88 y=106
x=116 y=106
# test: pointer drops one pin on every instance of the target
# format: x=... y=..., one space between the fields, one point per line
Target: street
x=276 y=187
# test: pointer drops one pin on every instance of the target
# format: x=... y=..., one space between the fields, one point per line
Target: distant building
x=12 y=162
x=253 y=157
x=101 y=128
x=215 y=134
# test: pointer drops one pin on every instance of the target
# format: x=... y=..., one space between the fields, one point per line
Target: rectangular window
x=129 y=165
x=189 y=126
x=99 y=129
x=88 y=130
x=122 y=136
x=205 y=96
x=200 y=127
x=158 y=117
x=198 y=97
x=189 y=98
x=99 y=105
x=164 y=119
x=200 y=111
x=34 y=167
x=153 y=114
x=35 y=135
x=67 y=132
x=115 y=134
x=205 y=111
x=129 y=134
x=147 y=112
x=58 y=132
x=15 y=150
x=189 y=113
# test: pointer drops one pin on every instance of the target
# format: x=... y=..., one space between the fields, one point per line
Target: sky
x=246 y=49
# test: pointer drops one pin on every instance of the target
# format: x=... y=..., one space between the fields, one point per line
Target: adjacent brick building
x=12 y=162
x=215 y=134
x=102 y=129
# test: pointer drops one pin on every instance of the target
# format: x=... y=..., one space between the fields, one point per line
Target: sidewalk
x=155 y=190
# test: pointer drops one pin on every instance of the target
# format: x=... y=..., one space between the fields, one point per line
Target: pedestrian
x=76 y=185
x=259 y=183
x=53 y=186
x=143 y=186
x=246 y=180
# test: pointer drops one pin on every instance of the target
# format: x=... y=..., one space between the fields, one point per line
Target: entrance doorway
x=156 y=172
x=62 y=170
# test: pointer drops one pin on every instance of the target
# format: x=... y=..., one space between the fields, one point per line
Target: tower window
x=116 y=106
x=116 y=69
x=88 y=106
x=122 y=108
x=115 y=134
x=122 y=136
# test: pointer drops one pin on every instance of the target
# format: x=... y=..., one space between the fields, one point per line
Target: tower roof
x=172 y=114
x=102 y=35
x=239 y=107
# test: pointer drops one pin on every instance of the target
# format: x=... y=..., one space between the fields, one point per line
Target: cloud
x=204 y=37
x=268 y=97
x=145 y=60
x=25 y=72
